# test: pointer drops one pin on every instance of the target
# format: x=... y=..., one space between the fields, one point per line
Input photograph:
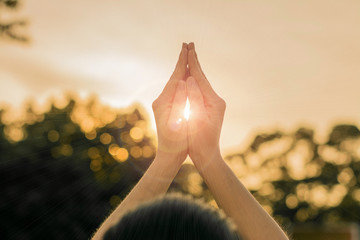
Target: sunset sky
x=277 y=64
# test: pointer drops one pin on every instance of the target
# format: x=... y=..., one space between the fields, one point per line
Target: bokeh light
x=121 y=154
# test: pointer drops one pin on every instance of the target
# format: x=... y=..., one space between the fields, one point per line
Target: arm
x=155 y=182
x=204 y=128
x=172 y=147
x=252 y=221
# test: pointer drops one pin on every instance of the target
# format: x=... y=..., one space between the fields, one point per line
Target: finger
x=197 y=106
x=191 y=46
x=179 y=73
x=176 y=118
x=181 y=65
x=196 y=72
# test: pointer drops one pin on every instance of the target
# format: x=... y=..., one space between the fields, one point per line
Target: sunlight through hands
x=187 y=110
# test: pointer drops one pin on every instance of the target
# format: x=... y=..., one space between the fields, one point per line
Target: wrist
x=212 y=167
x=168 y=159
x=203 y=160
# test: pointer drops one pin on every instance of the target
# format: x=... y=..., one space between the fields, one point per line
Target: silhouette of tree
x=10 y=28
x=63 y=170
x=299 y=180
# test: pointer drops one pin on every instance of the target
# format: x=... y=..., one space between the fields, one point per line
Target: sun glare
x=187 y=109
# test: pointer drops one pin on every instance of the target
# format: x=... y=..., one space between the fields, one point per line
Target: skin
x=199 y=138
x=172 y=146
x=204 y=127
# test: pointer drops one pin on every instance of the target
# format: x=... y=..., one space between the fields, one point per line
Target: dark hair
x=173 y=217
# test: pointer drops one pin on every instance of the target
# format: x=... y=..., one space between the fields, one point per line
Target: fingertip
x=181 y=65
x=192 y=58
x=191 y=46
x=184 y=48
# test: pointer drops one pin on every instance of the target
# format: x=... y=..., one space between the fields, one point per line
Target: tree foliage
x=10 y=28
x=63 y=170
x=300 y=180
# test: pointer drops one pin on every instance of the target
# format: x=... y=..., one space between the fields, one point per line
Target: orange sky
x=278 y=64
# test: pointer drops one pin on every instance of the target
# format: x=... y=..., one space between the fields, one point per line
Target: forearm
x=252 y=221
x=154 y=182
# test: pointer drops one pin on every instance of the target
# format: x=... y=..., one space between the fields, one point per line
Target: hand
x=207 y=113
x=168 y=110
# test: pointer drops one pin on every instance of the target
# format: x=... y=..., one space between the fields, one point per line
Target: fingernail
x=184 y=45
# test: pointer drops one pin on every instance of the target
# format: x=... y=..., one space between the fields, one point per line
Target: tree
x=299 y=180
x=10 y=28
x=63 y=170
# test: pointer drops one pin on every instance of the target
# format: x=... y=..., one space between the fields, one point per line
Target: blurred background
x=77 y=80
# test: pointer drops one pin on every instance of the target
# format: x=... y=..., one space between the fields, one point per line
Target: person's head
x=173 y=217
